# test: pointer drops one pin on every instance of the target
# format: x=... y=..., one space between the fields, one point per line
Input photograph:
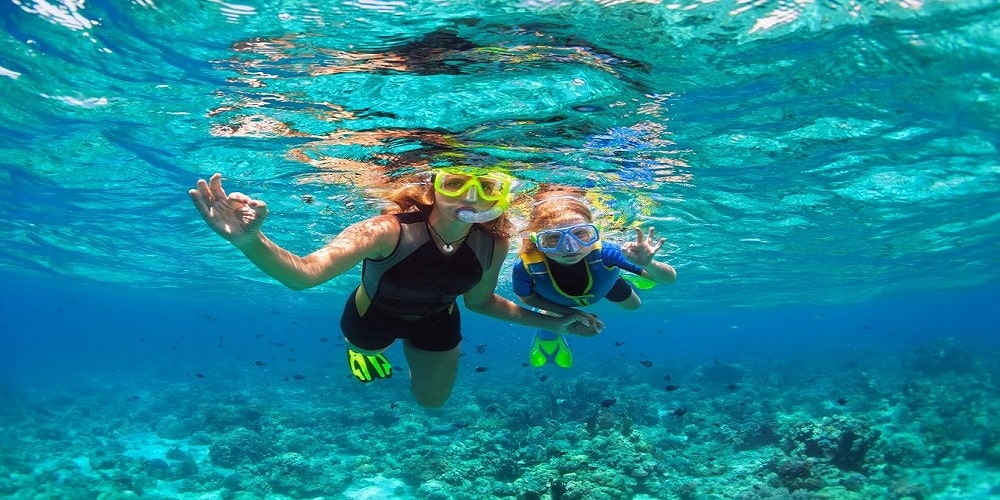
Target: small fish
x=647 y=363
x=841 y=401
x=679 y=412
x=298 y=376
x=671 y=387
x=393 y=405
x=732 y=387
x=308 y=199
x=543 y=378
x=524 y=364
x=199 y=375
x=608 y=403
x=324 y=339
x=667 y=377
x=481 y=349
x=259 y=363
x=619 y=343
x=480 y=369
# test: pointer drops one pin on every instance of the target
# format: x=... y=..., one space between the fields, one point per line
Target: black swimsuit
x=417 y=281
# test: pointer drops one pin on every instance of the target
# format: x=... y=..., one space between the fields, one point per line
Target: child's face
x=570 y=251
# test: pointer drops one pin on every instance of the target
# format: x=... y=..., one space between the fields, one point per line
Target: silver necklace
x=447 y=247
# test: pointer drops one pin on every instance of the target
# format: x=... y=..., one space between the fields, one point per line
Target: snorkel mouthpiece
x=471 y=216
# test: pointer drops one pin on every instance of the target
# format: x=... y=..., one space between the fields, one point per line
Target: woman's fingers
x=203 y=191
x=215 y=187
x=239 y=198
x=199 y=201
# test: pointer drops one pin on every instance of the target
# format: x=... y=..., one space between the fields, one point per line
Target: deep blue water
x=826 y=175
x=84 y=330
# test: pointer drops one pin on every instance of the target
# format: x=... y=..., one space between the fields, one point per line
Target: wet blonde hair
x=551 y=202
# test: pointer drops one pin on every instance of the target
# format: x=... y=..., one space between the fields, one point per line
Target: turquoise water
x=826 y=175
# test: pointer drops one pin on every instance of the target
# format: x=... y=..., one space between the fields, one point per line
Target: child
x=564 y=265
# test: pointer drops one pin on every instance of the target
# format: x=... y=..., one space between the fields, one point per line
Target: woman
x=564 y=264
x=439 y=241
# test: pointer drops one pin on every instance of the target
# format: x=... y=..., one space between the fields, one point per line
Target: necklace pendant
x=448 y=248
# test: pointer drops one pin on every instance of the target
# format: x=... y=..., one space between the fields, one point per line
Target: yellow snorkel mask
x=475 y=184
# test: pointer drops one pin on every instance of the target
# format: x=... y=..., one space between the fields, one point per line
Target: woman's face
x=456 y=189
x=449 y=206
x=570 y=251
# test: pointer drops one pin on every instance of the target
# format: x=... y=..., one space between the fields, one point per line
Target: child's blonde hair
x=551 y=202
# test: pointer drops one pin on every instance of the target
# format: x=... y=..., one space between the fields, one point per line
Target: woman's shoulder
x=387 y=221
x=408 y=217
x=381 y=228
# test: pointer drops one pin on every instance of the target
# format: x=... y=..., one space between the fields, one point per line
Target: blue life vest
x=600 y=278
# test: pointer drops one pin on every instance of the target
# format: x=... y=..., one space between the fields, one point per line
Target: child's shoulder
x=530 y=256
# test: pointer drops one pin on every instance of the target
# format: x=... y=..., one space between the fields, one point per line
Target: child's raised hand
x=642 y=250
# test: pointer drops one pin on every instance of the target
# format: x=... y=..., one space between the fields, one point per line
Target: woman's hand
x=235 y=217
x=583 y=324
x=641 y=251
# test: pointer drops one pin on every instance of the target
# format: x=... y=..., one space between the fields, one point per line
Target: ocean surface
x=826 y=175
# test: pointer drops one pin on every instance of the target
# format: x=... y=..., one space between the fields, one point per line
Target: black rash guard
x=417 y=278
x=413 y=290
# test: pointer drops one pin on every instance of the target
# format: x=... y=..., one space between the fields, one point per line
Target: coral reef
x=752 y=430
x=238 y=446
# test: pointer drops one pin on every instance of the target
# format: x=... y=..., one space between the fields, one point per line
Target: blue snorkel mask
x=566 y=239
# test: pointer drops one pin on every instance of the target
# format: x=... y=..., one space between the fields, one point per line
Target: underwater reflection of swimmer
x=440 y=52
x=387 y=154
x=436 y=53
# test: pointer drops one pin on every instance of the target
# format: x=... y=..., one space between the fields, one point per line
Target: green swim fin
x=368 y=367
x=543 y=350
x=640 y=282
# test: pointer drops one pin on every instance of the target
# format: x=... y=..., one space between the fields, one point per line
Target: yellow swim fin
x=543 y=350
x=368 y=367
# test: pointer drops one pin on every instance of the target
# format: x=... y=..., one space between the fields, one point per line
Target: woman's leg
x=432 y=374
